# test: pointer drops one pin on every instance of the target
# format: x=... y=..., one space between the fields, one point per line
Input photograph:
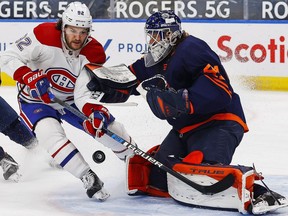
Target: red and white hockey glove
x=99 y=119
x=38 y=84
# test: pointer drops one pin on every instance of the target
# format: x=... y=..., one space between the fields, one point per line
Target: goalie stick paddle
x=220 y=186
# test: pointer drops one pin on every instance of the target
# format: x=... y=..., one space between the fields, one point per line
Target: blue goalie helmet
x=162 y=30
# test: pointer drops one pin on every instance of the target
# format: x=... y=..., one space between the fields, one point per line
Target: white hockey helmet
x=76 y=14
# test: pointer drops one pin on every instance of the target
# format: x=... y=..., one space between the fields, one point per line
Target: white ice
x=45 y=191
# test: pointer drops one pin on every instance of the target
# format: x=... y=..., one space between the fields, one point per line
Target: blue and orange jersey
x=194 y=66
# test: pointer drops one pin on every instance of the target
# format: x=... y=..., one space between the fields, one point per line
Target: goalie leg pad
x=138 y=172
x=235 y=198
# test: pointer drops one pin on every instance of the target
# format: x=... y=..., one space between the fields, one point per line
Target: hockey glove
x=158 y=81
x=38 y=85
x=168 y=103
x=99 y=119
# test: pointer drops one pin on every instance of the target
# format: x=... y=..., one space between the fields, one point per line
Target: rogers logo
x=275 y=50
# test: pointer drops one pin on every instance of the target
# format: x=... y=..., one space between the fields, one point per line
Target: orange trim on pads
x=219 y=117
x=93 y=66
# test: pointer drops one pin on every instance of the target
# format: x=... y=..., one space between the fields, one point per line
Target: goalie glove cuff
x=156 y=82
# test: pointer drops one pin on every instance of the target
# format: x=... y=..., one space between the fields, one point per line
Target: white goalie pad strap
x=235 y=198
x=115 y=76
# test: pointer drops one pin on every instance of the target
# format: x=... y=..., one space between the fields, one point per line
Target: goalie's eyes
x=153 y=38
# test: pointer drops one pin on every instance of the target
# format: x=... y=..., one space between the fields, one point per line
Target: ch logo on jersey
x=61 y=79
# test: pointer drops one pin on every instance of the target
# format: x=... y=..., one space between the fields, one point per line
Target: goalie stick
x=220 y=186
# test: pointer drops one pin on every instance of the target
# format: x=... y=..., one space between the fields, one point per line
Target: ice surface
x=44 y=191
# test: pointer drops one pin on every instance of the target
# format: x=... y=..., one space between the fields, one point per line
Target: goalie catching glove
x=117 y=82
x=163 y=101
x=99 y=119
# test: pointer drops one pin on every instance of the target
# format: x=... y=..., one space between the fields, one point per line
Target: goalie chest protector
x=235 y=198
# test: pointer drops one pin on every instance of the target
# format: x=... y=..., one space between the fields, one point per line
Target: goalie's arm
x=208 y=97
x=167 y=103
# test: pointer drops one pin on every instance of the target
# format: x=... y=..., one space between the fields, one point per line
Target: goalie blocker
x=235 y=198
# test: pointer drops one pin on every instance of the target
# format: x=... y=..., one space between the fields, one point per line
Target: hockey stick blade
x=220 y=186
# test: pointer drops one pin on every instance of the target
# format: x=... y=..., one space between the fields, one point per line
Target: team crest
x=63 y=80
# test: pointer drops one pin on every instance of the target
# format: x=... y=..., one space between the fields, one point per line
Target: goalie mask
x=76 y=14
x=162 y=30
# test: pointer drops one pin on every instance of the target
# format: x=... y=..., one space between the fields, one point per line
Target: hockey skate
x=10 y=167
x=268 y=202
x=94 y=186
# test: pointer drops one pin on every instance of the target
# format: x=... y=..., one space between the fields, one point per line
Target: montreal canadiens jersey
x=43 y=49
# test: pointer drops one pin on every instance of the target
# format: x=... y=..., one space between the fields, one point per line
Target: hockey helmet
x=162 y=30
x=76 y=14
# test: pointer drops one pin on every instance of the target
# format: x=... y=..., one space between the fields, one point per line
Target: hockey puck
x=98 y=156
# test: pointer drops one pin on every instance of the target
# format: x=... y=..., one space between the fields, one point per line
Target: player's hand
x=99 y=118
x=38 y=85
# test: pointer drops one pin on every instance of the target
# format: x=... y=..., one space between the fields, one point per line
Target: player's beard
x=75 y=45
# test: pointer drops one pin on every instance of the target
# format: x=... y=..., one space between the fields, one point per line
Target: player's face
x=75 y=36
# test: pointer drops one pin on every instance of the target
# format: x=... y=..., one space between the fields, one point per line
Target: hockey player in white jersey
x=51 y=58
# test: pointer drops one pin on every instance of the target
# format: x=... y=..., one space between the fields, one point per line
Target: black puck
x=98 y=156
